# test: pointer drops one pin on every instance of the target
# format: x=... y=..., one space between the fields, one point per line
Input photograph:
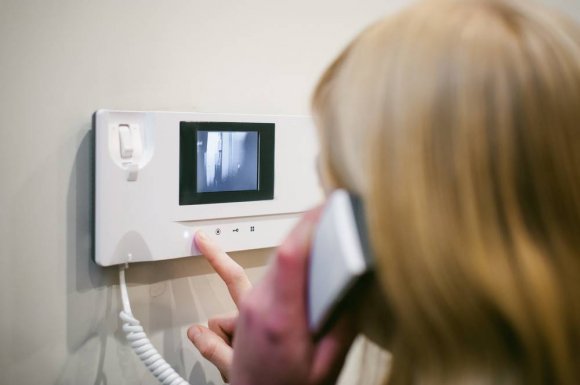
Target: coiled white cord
x=140 y=342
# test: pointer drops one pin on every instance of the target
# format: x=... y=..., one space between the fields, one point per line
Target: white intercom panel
x=161 y=176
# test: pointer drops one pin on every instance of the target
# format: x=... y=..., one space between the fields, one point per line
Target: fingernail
x=194 y=332
x=201 y=236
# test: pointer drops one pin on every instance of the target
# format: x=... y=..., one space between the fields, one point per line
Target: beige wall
x=60 y=61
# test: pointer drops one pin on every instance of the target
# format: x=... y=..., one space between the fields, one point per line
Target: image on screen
x=227 y=161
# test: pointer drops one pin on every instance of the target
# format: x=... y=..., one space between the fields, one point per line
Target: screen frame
x=188 y=194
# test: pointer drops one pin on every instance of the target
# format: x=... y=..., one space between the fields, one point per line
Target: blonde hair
x=458 y=122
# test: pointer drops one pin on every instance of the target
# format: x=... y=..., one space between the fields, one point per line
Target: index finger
x=229 y=271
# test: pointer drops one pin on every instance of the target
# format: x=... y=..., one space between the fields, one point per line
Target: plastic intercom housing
x=138 y=215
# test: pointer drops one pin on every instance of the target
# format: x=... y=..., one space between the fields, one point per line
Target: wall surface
x=59 y=62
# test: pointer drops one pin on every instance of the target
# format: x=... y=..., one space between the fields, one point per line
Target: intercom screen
x=223 y=162
x=227 y=161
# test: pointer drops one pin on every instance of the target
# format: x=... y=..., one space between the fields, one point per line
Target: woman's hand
x=272 y=342
x=215 y=342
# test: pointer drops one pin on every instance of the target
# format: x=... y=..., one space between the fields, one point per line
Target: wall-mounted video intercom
x=161 y=176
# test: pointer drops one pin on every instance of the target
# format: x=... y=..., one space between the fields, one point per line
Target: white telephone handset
x=339 y=259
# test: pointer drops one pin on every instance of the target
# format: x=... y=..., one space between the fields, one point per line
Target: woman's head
x=458 y=122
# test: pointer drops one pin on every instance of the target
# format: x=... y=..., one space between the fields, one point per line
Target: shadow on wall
x=89 y=293
x=92 y=291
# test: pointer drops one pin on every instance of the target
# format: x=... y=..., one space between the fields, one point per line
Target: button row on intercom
x=218 y=230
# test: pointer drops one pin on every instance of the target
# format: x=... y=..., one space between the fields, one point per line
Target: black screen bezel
x=188 y=194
